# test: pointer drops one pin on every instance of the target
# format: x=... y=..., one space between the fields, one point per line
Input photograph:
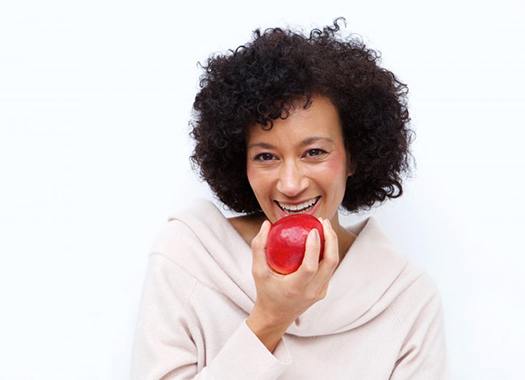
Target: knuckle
x=321 y=295
x=309 y=268
x=259 y=272
x=332 y=261
x=323 y=291
x=311 y=296
x=256 y=243
x=291 y=293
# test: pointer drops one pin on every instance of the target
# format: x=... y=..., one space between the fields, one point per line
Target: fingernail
x=316 y=234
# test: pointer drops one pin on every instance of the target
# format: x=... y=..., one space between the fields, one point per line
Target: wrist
x=269 y=330
x=269 y=320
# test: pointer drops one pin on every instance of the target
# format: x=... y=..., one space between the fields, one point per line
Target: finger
x=310 y=263
x=258 y=246
x=330 y=259
x=323 y=291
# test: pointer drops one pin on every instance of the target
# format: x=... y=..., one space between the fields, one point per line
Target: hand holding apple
x=282 y=298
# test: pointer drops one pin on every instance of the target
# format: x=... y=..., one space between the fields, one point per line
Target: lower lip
x=311 y=211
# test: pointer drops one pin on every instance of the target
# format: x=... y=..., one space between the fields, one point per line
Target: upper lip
x=298 y=202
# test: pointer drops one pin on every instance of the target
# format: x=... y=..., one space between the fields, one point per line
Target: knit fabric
x=381 y=318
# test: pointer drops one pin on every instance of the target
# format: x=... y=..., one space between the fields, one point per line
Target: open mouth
x=297 y=209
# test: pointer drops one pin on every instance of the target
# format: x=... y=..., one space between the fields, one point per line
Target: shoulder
x=200 y=231
x=174 y=236
x=423 y=282
x=186 y=228
x=421 y=296
x=382 y=256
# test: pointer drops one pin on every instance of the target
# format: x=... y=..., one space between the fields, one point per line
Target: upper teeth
x=300 y=206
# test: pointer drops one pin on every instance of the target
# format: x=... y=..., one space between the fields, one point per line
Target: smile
x=305 y=206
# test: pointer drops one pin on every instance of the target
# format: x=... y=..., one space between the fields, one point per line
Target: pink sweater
x=381 y=319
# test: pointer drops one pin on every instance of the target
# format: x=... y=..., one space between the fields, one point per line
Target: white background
x=95 y=99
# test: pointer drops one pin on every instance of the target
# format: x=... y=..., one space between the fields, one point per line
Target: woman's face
x=300 y=165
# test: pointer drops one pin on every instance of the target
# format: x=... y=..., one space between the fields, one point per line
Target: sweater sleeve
x=164 y=347
x=423 y=355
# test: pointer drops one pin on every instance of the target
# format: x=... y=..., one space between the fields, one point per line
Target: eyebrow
x=305 y=142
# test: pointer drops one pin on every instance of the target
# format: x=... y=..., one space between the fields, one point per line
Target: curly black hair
x=262 y=80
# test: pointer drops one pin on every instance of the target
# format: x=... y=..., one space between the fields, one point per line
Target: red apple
x=286 y=243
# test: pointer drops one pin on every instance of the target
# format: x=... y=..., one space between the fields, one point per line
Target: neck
x=345 y=238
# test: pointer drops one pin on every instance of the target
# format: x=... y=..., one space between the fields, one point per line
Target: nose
x=292 y=180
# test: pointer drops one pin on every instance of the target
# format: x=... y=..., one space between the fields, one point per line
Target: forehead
x=319 y=119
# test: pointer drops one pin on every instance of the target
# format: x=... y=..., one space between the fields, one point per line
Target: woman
x=291 y=124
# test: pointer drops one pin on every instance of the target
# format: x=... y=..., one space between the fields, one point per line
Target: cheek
x=251 y=179
x=255 y=179
x=251 y=172
x=333 y=168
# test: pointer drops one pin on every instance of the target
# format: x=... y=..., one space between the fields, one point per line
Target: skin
x=281 y=167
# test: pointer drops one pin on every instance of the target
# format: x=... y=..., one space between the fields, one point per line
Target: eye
x=315 y=152
x=263 y=157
